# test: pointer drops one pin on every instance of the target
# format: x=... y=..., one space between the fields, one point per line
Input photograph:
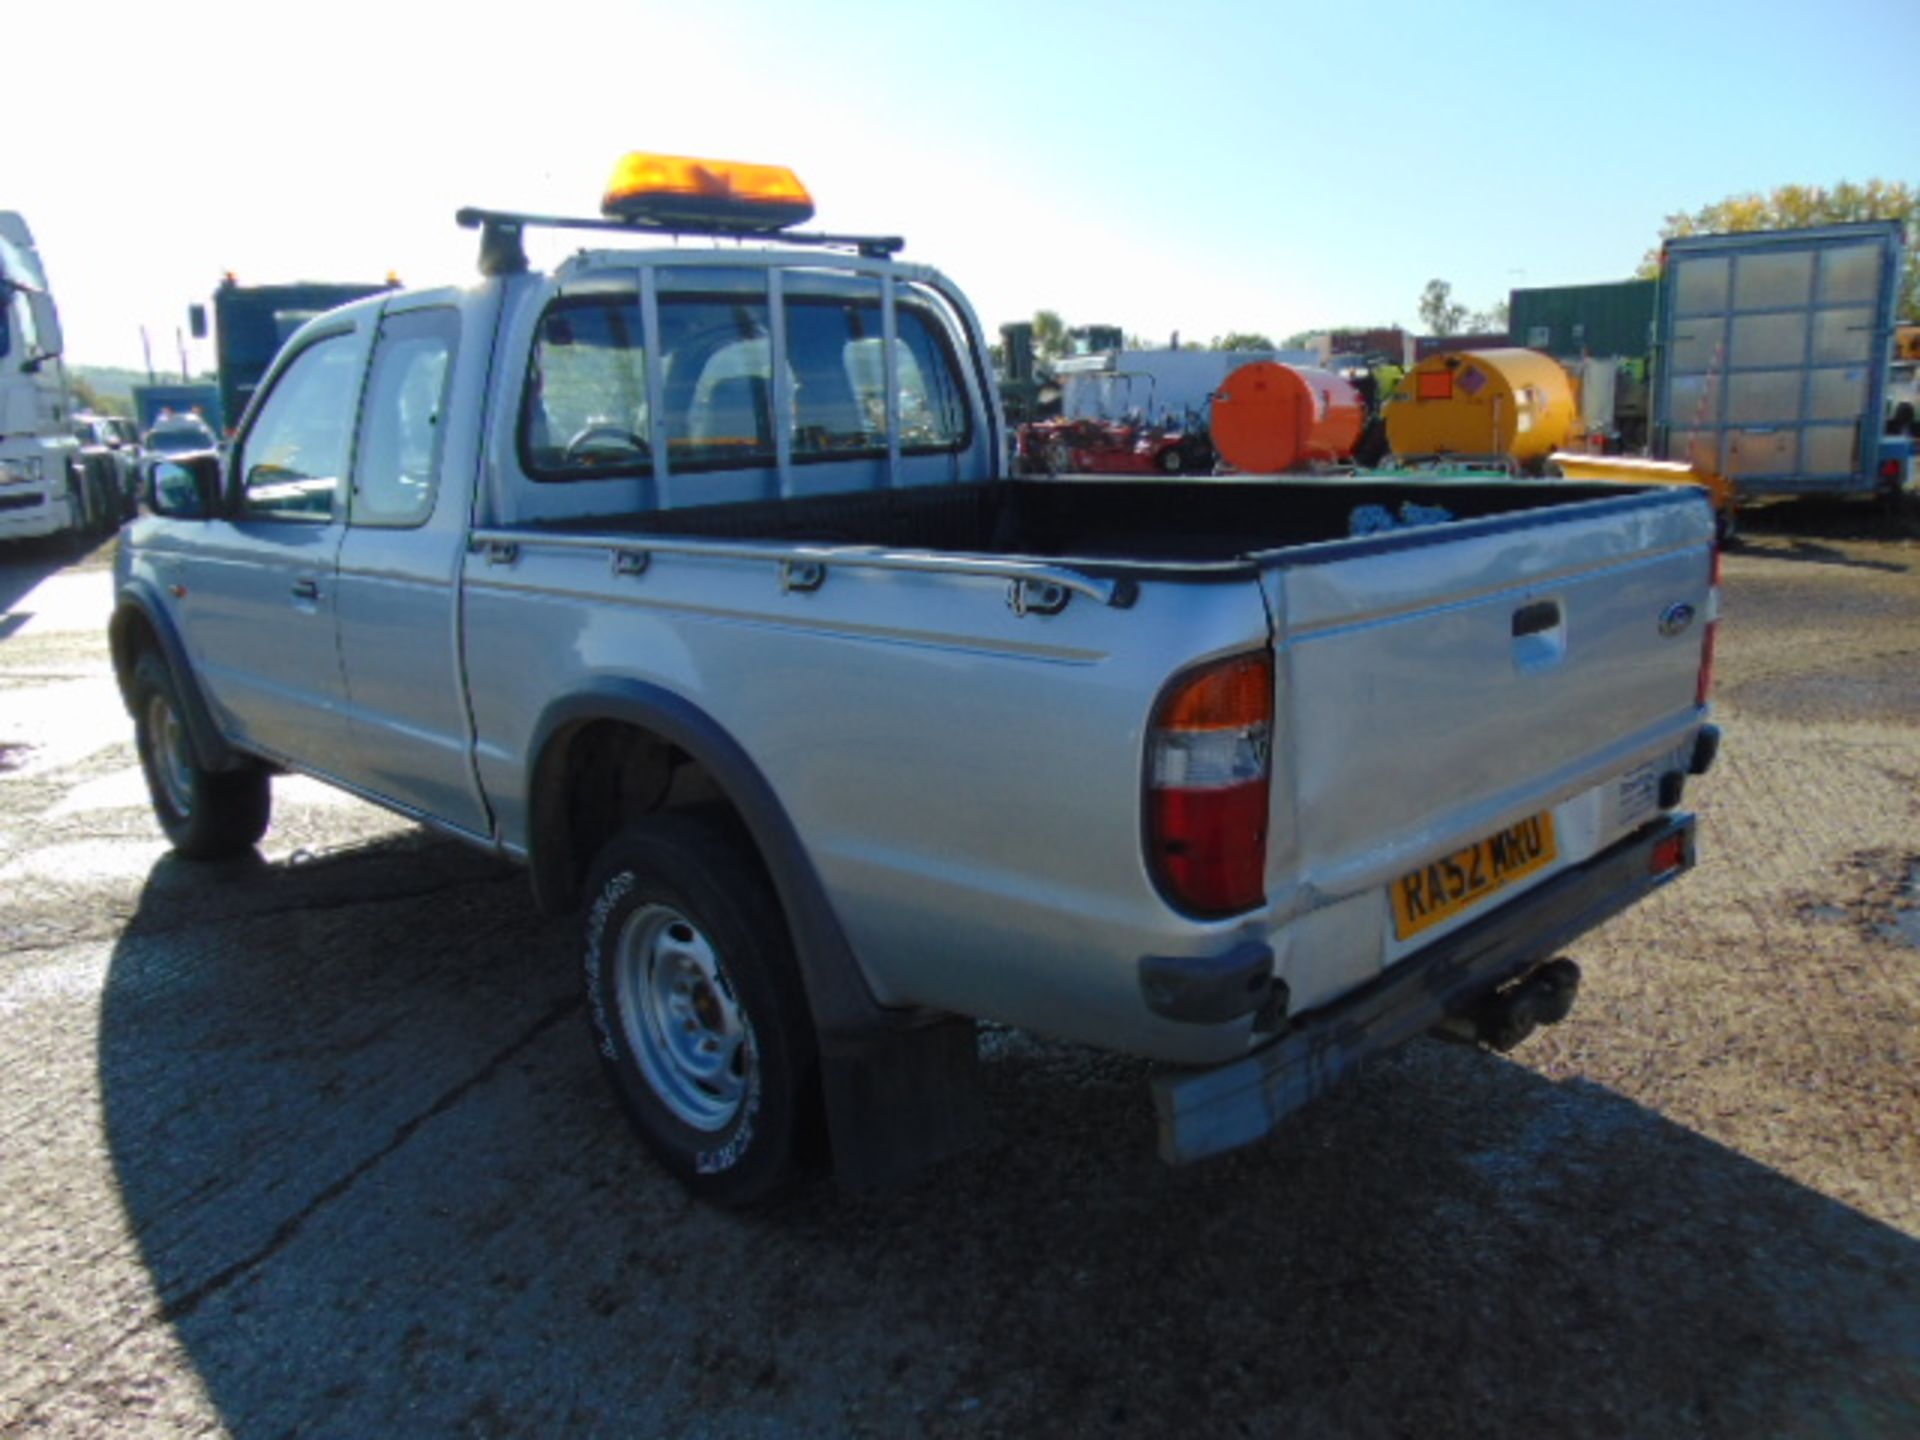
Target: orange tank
x=1270 y=417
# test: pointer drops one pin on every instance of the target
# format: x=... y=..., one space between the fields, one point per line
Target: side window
x=835 y=409
x=293 y=457
x=25 y=338
x=717 y=381
x=933 y=412
x=584 y=411
x=397 y=460
x=838 y=357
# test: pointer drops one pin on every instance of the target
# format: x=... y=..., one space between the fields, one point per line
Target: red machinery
x=1113 y=447
x=1269 y=418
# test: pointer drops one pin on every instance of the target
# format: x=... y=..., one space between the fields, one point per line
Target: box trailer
x=1771 y=353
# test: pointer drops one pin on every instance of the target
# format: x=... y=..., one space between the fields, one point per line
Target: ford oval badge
x=1675 y=618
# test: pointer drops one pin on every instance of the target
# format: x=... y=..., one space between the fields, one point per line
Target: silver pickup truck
x=690 y=578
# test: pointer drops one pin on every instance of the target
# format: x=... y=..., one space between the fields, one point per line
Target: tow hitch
x=1501 y=1020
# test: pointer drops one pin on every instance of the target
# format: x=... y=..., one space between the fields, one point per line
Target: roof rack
x=502 y=251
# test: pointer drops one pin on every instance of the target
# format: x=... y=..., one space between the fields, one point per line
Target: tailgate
x=1437 y=683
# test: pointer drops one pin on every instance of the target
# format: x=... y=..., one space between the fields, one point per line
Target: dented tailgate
x=1437 y=684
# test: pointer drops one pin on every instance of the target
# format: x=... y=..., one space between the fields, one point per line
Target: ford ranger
x=690 y=576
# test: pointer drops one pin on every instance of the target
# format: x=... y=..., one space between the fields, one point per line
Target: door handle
x=1532 y=619
x=306 y=589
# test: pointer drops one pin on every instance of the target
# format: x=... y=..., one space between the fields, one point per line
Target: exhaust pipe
x=1503 y=1019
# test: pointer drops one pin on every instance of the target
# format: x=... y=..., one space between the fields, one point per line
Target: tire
x=83 y=498
x=697 y=1008
x=1172 y=462
x=1726 y=528
x=79 y=511
x=106 y=509
x=206 y=815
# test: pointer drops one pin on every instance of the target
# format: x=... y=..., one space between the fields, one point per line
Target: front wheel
x=698 y=1010
x=79 y=511
x=207 y=815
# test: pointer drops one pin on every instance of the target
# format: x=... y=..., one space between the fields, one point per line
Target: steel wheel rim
x=172 y=761
x=682 y=1020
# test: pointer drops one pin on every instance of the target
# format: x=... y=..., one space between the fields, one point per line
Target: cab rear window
x=586 y=411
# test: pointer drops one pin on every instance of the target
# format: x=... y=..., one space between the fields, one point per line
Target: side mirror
x=186 y=487
x=197 y=321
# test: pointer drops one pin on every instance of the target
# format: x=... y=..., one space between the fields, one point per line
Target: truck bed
x=1433 y=684
x=1104 y=525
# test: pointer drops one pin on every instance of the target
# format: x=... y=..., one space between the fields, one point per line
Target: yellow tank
x=1517 y=403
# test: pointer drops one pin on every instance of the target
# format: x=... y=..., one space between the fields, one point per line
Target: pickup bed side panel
x=965 y=780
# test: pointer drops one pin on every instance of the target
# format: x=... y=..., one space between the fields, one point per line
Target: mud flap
x=901 y=1101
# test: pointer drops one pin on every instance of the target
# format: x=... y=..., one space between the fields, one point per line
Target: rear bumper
x=1205 y=1112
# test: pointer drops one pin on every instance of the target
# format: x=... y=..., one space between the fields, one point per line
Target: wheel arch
x=140 y=623
x=838 y=995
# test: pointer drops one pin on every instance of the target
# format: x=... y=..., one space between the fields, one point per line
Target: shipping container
x=1425 y=347
x=1569 y=321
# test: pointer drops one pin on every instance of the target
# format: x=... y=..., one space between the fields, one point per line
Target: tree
x=87 y=398
x=1489 y=321
x=1050 y=338
x=1242 y=340
x=1789 y=207
x=1439 y=311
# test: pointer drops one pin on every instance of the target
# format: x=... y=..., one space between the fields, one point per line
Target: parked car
x=180 y=435
x=645 y=575
x=110 y=458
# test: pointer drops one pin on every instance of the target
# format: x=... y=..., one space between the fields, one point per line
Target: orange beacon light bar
x=669 y=190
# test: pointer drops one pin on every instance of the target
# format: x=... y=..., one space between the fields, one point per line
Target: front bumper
x=28 y=512
x=1206 y=1112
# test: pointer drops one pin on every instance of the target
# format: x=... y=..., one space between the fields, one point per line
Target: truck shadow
x=380 y=1189
x=1794 y=530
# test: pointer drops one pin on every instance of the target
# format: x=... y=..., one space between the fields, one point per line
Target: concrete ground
x=315 y=1144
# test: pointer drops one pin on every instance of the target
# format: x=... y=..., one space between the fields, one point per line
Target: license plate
x=1443 y=888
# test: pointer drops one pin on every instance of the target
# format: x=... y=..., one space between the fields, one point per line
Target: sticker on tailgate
x=1444 y=888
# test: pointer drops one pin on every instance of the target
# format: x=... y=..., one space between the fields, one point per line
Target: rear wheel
x=207 y=815
x=1726 y=528
x=106 y=503
x=1172 y=462
x=698 y=1010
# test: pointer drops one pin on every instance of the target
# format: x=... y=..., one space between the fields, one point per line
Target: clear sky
x=1196 y=166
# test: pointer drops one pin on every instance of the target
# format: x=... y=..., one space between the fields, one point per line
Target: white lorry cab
x=690 y=576
x=43 y=489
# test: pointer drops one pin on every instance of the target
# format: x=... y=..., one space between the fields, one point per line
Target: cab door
x=257 y=589
x=400 y=560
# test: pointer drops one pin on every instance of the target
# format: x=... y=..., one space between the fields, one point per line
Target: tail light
x=1669 y=854
x=1705 y=683
x=1209 y=758
x=1889 y=469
